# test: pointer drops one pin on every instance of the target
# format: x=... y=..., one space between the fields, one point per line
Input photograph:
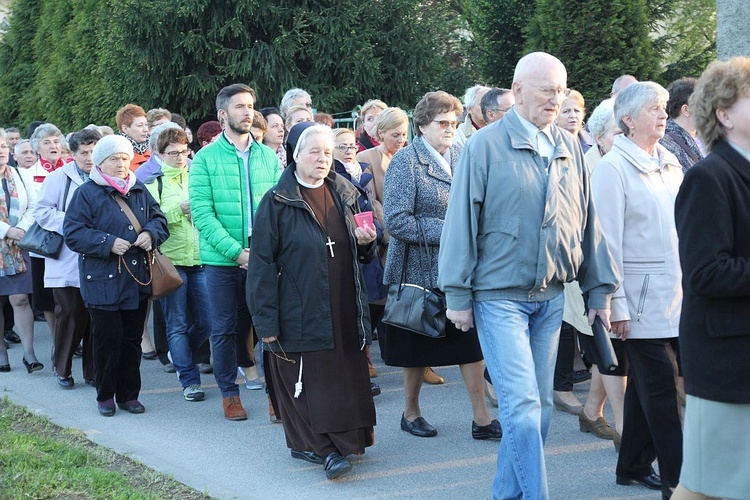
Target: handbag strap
x=424 y=253
x=65 y=194
x=129 y=213
x=131 y=217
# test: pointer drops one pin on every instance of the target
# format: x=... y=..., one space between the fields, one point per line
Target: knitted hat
x=110 y=145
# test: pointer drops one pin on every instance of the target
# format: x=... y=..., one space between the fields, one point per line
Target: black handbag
x=416 y=308
x=42 y=241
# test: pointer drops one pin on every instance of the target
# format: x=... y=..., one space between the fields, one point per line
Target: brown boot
x=431 y=377
x=272 y=414
x=233 y=409
x=373 y=372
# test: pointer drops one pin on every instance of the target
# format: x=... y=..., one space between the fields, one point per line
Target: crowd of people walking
x=294 y=241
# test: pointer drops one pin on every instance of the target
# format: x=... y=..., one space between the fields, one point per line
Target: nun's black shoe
x=652 y=481
x=489 y=431
x=336 y=465
x=308 y=456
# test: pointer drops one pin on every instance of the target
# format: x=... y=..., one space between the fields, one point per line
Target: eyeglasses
x=175 y=154
x=549 y=92
x=308 y=104
x=344 y=148
x=445 y=123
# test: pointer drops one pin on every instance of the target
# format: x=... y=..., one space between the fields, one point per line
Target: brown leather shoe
x=599 y=427
x=233 y=409
x=431 y=377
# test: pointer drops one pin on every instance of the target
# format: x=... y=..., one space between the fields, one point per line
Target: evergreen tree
x=597 y=40
x=17 y=70
x=499 y=37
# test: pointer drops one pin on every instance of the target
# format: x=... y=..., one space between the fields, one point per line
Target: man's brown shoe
x=233 y=409
x=431 y=377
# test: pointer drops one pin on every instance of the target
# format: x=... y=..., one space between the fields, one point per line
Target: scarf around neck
x=122 y=186
x=138 y=147
x=11 y=257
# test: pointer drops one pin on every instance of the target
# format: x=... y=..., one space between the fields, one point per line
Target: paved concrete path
x=249 y=460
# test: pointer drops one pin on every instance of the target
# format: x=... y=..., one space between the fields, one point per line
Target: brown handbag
x=163 y=276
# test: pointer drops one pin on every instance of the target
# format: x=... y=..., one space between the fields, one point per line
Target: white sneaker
x=193 y=393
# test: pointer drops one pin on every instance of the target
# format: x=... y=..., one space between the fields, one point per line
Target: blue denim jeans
x=184 y=340
x=226 y=300
x=519 y=341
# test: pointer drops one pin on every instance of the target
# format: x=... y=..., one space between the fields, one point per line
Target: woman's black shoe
x=34 y=366
x=4 y=368
x=12 y=337
x=132 y=406
x=106 y=408
x=336 y=465
x=65 y=382
x=489 y=431
x=308 y=456
x=652 y=481
x=150 y=355
x=374 y=388
x=418 y=427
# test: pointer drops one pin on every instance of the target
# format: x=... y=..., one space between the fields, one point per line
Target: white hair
x=153 y=139
x=634 y=97
x=602 y=118
x=470 y=97
x=290 y=96
x=310 y=131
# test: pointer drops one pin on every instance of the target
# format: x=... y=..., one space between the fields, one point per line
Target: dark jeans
x=651 y=421
x=228 y=311
x=71 y=327
x=161 y=345
x=117 y=352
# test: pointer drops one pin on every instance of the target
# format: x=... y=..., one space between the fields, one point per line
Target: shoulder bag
x=416 y=308
x=163 y=276
x=41 y=241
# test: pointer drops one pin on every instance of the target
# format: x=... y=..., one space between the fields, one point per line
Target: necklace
x=329 y=242
x=323 y=223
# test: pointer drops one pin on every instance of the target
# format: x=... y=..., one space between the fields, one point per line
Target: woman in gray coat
x=415 y=194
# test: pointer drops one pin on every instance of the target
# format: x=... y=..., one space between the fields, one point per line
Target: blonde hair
x=720 y=85
x=372 y=104
x=291 y=111
x=338 y=132
x=389 y=119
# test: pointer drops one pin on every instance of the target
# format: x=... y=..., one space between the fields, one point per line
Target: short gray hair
x=17 y=148
x=290 y=96
x=45 y=130
x=470 y=97
x=633 y=98
x=317 y=129
x=602 y=118
x=154 y=137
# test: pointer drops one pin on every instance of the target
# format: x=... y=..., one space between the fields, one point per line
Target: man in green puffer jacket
x=228 y=178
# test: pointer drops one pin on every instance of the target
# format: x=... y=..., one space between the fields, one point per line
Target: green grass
x=41 y=460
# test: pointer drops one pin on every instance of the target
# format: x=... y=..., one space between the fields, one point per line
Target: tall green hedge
x=74 y=62
x=597 y=40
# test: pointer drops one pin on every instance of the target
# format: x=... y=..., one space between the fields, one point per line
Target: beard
x=239 y=127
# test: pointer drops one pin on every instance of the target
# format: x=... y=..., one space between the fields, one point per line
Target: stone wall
x=732 y=32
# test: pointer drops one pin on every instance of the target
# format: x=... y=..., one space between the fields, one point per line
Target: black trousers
x=117 y=352
x=71 y=327
x=651 y=421
x=566 y=350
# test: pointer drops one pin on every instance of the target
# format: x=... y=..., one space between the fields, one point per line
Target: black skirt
x=410 y=350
